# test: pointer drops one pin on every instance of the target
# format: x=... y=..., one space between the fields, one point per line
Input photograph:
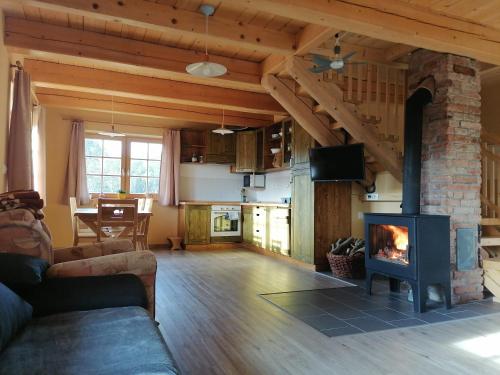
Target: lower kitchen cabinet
x=197 y=224
x=267 y=228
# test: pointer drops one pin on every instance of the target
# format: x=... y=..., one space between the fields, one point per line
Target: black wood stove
x=410 y=246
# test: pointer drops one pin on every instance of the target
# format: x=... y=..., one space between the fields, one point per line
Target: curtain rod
x=117 y=123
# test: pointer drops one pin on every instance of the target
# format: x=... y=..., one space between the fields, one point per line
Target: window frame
x=125 y=164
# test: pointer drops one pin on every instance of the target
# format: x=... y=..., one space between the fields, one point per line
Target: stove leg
x=447 y=295
x=369 y=279
x=394 y=285
x=419 y=297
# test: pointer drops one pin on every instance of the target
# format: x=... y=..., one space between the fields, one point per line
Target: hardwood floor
x=214 y=322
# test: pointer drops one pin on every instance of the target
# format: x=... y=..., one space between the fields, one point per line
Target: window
x=122 y=164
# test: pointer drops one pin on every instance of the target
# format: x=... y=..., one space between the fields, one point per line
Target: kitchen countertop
x=212 y=203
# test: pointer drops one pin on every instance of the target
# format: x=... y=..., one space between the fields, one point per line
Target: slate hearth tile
x=362 y=304
x=412 y=322
x=324 y=303
x=483 y=308
x=335 y=293
x=463 y=314
x=304 y=310
x=326 y=321
x=401 y=306
x=342 y=311
x=341 y=331
x=431 y=317
x=369 y=324
x=387 y=314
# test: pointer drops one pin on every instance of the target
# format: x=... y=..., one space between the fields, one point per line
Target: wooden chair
x=79 y=233
x=142 y=233
x=120 y=215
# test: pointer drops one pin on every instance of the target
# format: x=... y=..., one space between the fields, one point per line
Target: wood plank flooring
x=214 y=322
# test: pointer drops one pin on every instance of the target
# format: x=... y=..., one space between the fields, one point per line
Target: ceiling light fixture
x=112 y=133
x=206 y=68
x=222 y=130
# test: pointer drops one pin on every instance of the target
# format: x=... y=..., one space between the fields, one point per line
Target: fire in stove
x=393 y=247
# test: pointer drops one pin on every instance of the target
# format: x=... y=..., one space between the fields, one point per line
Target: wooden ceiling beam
x=175 y=21
x=398 y=51
x=76 y=78
x=330 y=99
x=393 y=21
x=147 y=108
x=28 y=36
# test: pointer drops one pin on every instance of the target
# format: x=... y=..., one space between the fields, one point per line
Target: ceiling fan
x=338 y=63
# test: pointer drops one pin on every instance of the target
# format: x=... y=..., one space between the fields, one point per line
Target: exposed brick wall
x=451 y=159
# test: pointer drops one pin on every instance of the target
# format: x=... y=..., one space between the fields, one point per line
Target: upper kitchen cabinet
x=221 y=148
x=301 y=144
x=246 y=151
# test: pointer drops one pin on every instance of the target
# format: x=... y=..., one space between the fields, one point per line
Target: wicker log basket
x=347 y=258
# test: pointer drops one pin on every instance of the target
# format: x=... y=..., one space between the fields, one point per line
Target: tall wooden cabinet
x=321 y=211
x=246 y=151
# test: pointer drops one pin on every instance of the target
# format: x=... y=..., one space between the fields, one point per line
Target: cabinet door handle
x=257 y=230
x=257 y=214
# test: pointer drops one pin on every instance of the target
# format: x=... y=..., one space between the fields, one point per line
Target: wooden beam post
x=75 y=78
x=330 y=97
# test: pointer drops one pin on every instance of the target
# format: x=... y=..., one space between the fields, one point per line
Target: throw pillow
x=20 y=269
x=14 y=314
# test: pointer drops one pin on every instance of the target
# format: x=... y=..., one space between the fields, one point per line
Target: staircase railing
x=490 y=159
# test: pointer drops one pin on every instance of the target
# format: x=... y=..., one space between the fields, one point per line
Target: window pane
x=112 y=166
x=154 y=168
x=138 y=167
x=155 y=151
x=94 y=184
x=111 y=184
x=112 y=148
x=93 y=165
x=153 y=185
x=93 y=147
x=137 y=185
x=138 y=150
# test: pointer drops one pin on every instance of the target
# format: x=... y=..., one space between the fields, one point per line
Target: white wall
x=277 y=186
x=209 y=182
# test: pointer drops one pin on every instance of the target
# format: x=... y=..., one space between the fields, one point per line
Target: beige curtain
x=76 y=179
x=19 y=159
x=39 y=159
x=170 y=166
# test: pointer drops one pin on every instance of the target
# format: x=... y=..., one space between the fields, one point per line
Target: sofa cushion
x=123 y=340
x=14 y=314
x=20 y=269
x=67 y=294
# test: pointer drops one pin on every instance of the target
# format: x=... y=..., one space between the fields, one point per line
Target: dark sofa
x=88 y=325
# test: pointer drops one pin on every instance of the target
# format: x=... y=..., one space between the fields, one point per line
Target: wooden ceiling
x=138 y=49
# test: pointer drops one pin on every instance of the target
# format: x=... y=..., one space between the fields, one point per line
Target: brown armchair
x=21 y=232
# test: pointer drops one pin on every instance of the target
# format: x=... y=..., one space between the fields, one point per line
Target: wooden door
x=301 y=144
x=197 y=226
x=221 y=148
x=303 y=218
x=246 y=151
x=278 y=231
x=247 y=224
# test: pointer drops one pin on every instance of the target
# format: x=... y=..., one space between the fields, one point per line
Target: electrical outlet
x=371 y=197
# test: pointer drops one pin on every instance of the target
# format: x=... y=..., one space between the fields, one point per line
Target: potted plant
x=122 y=194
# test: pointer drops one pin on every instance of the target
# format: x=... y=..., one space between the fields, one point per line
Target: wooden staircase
x=364 y=104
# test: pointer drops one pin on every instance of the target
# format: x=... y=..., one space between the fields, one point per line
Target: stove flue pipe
x=412 y=164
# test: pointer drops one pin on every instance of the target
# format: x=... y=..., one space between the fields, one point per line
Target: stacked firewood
x=348 y=246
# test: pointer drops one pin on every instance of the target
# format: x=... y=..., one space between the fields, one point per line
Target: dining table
x=88 y=216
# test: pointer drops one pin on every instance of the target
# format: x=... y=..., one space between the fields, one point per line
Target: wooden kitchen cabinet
x=246 y=151
x=221 y=149
x=301 y=144
x=247 y=225
x=197 y=224
x=278 y=230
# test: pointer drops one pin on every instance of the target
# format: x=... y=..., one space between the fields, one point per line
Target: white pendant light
x=112 y=133
x=206 y=68
x=222 y=130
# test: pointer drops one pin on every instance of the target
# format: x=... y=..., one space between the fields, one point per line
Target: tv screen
x=338 y=163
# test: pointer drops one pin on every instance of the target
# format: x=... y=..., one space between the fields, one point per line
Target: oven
x=225 y=221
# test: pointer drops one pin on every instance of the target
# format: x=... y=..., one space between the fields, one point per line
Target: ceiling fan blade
x=321 y=60
x=319 y=69
x=349 y=55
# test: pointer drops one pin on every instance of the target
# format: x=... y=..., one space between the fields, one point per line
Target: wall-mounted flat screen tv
x=337 y=163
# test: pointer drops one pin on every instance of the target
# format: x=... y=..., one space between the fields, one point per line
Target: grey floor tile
x=326 y=321
x=387 y=314
x=362 y=304
x=324 y=303
x=304 y=310
x=482 y=308
x=342 y=311
x=412 y=322
x=463 y=314
x=369 y=324
x=335 y=332
x=431 y=317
